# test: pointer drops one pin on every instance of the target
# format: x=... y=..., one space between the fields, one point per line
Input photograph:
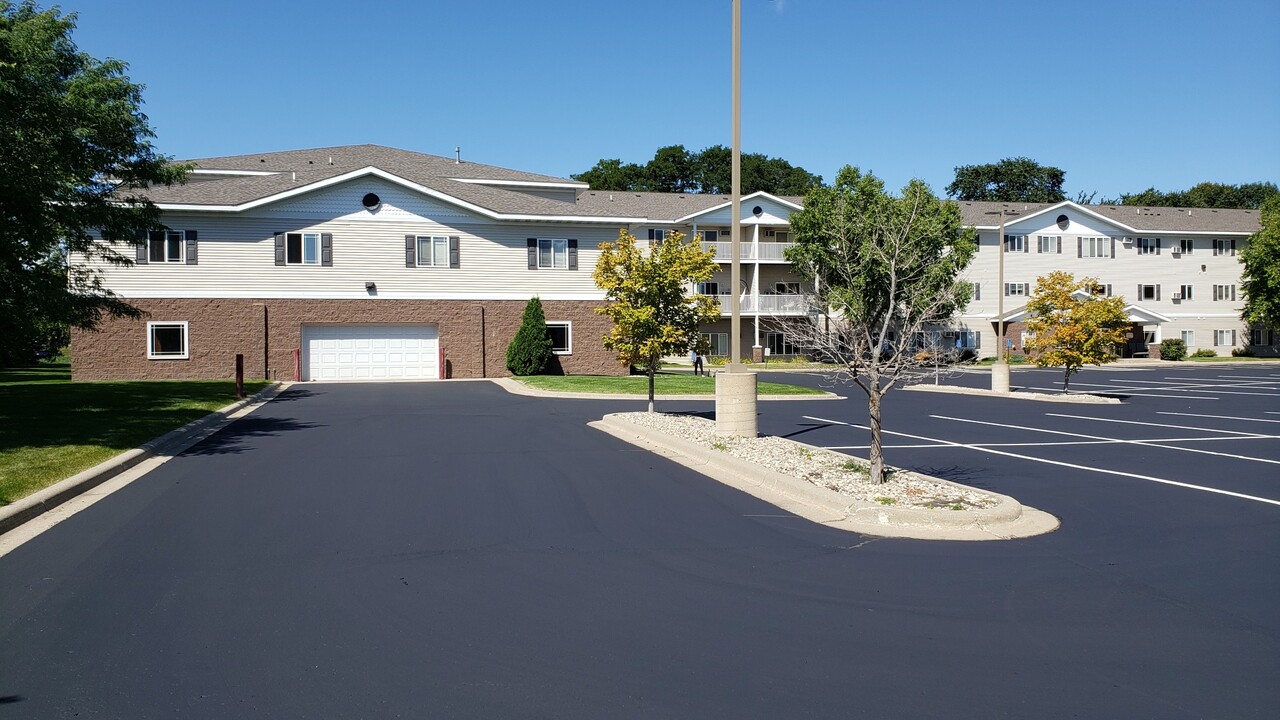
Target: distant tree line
x=674 y=169
x=1025 y=180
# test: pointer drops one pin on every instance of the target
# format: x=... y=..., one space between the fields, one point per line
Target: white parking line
x=1199 y=388
x=1107 y=441
x=1219 y=417
x=1162 y=425
x=1144 y=392
x=1146 y=443
x=1059 y=463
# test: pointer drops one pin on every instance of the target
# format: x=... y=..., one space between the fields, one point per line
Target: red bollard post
x=297 y=364
x=239 y=375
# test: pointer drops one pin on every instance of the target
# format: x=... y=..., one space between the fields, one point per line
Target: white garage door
x=370 y=352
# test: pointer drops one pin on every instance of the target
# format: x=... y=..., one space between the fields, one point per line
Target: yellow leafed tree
x=647 y=292
x=1071 y=326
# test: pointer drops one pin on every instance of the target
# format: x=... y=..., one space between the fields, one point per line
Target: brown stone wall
x=473 y=336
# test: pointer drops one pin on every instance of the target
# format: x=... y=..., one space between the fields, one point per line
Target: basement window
x=167 y=341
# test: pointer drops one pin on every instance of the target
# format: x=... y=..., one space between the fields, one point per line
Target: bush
x=1242 y=352
x=1173 y=349
x=1204 y=352
x=530 y=350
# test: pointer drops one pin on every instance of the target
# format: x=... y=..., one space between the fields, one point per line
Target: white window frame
x=1016 y=289
x=1188 y=338
x=783 y=342
x=1095 y=247
x=1142 y=293
x=568 y=331
x=1224 y=292
x=1015 y=243
x=1223 y=247
x=716 y=338
x=558 y=248
x=432 y=242
x=1185 y=246
x=1224 y=338
x=1048 y=244
x=709 y=287
x=151 y=340
x=169 y=236
x=302 y=249
x=1147 y=246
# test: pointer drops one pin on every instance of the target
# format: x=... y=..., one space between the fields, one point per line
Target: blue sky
x=1121 y=95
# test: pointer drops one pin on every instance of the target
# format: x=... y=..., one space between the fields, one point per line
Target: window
x=1148 y=292
x=302 y=248
x=1184 y=246
x=1095 y=247
x=709 y=235
x=779 y=344
x=554 y=253
x=786 y=288
x=1224 y=247
x=167 y=341
x=1015 y=243
x=1224 y=338
x=1050 y=244
x=707 y=288
x=561 y=334
x=1011 y=289
x=783 y=236
x=1224 y=292
x=433 y=250
x=1148 y=246
x=1189 y=337
x=968 y=339
x=657 y=235
x=1184 y=293
x=165 y=246
x=718 y=343
x=1102 y=290
x=1258 y=336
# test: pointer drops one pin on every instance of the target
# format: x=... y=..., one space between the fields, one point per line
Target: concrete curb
x=1082 y=399
x=515 y=387
x=171 y=443
x=1008 y=519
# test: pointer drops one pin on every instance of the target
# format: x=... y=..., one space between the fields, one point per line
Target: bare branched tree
x=884 y=272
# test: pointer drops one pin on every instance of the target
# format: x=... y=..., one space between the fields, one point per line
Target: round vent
x=371 y=201
x=757 y=211
x=1063 y=222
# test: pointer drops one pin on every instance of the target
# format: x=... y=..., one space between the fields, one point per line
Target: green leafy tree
x=884 y=269
x=648 y=299
x=1070 y=326
x=1260 y=278
x=1248 y=196
x=75 y=152
x=674 y=169
x=530 y=351
x=612 y=175
x=1010 y=180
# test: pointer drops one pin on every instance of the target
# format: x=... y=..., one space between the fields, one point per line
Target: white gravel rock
x=843 y=473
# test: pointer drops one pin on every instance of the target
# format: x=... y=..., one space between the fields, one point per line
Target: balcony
x=766 y=305
x=773 y=251
x=724 y=251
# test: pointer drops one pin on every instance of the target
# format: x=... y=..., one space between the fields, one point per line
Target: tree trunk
x=877 y=453
x=652 y=371
x=1066 y=381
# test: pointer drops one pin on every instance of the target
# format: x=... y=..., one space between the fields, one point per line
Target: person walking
x=697 y=363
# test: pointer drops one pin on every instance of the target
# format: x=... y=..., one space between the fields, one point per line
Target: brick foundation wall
x=218 y=329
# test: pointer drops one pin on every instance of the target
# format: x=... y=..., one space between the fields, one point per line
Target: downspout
x=266 y=344
x=484 y=367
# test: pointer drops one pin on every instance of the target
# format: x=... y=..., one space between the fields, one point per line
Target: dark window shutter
x=1140 y=298
x=1026 y=244
x=573 y=254
x=977 y=291
x=1059 y=243
x=1233 y=295
x=1079 y=247
x=279 y=248
x=453 y=251
x=533 y=253
x=1233 y=247
x=1113 y=247
x=1233 y=338
x=192 y=250
x=1006 y=289
x=141 y=236
x=410 y=250
x=1158 y=245
x=326 y=249
x=1157 y=292
x=650 y=233
x=1108 y=290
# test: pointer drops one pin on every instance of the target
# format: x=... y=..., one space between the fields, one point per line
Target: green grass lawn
x=664 y=384
x=52 y=428
x=1230 y=358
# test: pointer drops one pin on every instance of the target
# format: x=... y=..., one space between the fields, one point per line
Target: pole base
x=1000 y=377
x=736 y=404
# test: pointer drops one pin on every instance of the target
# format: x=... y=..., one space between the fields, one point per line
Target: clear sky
x=1122 y=95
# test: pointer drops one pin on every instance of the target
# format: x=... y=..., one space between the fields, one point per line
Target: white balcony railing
x=774 y=250
x=766 y=304
x=724 y=251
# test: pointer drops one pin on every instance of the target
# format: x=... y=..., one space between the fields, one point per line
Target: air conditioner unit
x=1177 y=296
x=1127 y=240
x=769 y=233
x=1176 y=251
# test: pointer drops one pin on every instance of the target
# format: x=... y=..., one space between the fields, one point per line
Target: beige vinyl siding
x=237 y=259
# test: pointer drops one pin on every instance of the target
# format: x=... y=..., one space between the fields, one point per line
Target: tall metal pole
x=1000 y=294
x=735 y=233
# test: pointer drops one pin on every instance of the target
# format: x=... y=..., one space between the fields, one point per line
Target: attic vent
x=371 y=201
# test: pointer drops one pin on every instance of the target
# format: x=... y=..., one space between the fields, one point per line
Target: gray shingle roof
x=1145 y=219
x=296 y=169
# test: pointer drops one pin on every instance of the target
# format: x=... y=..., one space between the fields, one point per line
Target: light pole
x=1000 y=370
x=736 y=388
